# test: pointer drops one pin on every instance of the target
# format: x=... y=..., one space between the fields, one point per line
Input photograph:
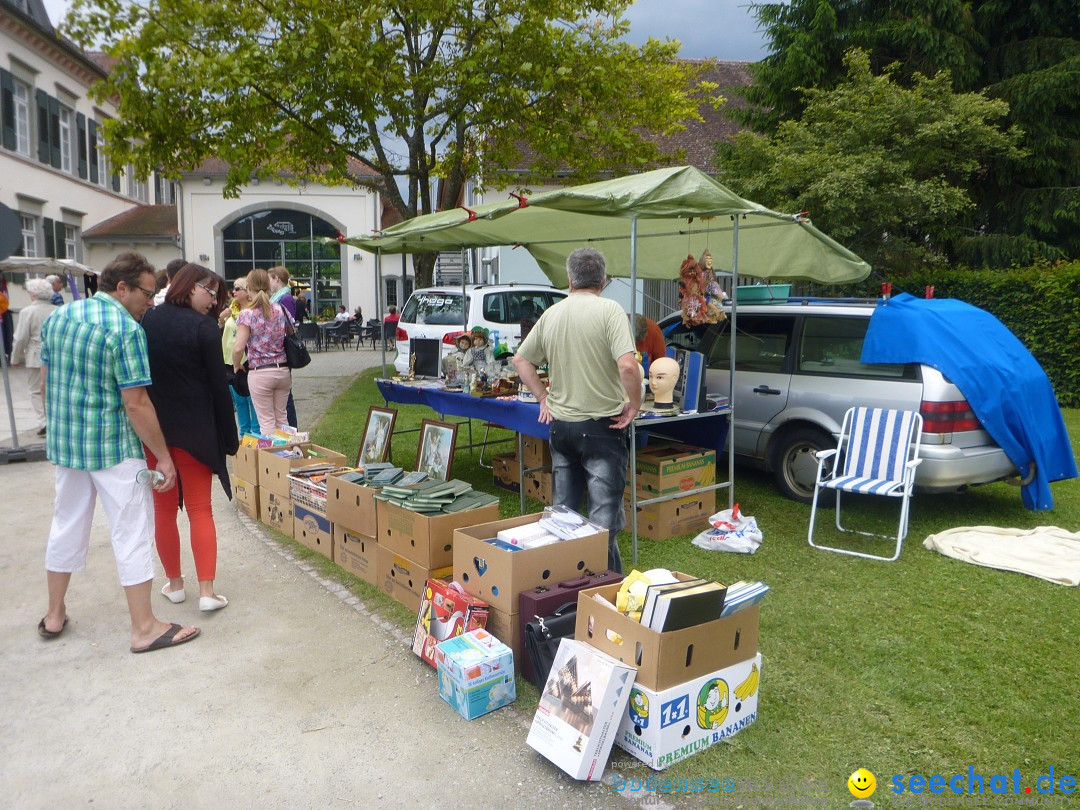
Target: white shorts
x=129 y=508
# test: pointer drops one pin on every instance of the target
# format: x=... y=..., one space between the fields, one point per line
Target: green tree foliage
x=427 y=92
x=1025 y=53
x=882 y=168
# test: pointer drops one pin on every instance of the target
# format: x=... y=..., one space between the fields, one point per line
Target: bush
x=1039 y=304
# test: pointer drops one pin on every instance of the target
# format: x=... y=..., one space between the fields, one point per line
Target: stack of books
x=743 y=594
x=677 y=605
x=384 y=477
x=432 y=497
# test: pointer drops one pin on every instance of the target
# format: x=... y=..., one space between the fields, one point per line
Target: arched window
x=290 y=238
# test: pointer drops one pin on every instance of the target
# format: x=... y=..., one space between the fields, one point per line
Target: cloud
x=724 y=29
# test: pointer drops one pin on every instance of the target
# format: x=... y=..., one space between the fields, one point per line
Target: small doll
x=714 y=296
x=692 y=293
x=457 y=359
x=482 y=357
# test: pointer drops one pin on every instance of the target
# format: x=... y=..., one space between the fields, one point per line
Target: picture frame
x=375 y=442
x=435 y=451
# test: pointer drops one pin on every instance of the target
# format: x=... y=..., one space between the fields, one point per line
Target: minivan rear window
x=833 y=346
x=433 y=308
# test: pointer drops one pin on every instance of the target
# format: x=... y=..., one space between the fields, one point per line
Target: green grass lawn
x=926 y=665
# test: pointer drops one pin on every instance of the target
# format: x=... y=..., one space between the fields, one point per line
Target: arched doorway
x=280 y=236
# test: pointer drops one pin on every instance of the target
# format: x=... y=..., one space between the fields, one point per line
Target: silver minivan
x=797 y=370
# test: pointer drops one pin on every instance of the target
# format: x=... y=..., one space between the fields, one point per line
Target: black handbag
x=239 y=381
x=296 y=353
x=542 y=638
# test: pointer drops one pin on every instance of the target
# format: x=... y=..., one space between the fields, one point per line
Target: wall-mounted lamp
x=203 y=257
x=207 y=181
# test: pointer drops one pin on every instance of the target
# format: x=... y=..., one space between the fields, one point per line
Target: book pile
x=743 y=594
x=566 y=524
x=383 y=477
x=432 y=497
x=681 y=604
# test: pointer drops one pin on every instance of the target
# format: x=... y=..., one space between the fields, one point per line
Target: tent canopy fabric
x=22 y=264
x=679 y=211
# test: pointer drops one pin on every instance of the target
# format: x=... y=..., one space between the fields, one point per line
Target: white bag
x=731 y=531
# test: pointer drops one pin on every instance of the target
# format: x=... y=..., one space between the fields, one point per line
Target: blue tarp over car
x=1006 y=387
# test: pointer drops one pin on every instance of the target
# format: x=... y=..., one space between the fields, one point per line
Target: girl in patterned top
x=260 y=331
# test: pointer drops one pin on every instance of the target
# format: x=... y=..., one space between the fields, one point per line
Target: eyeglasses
x=235 y=290
x=148 y=293
x=212 y=292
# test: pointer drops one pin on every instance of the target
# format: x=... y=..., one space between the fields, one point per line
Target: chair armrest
x=821 y=455
x=915 y=462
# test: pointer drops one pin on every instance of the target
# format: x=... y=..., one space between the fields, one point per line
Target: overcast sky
x=723 y=29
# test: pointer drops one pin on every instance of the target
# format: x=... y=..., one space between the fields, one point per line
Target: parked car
x=797 y=370
x=434 y=317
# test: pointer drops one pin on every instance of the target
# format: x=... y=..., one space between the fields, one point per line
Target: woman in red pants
x=194 y=407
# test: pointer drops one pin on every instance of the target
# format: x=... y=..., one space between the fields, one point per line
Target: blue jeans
x=245 y=413
x=590 y=457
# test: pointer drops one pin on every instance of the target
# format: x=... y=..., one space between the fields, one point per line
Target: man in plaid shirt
x=95 y=373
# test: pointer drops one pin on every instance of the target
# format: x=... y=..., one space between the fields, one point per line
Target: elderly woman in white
x=27 y=346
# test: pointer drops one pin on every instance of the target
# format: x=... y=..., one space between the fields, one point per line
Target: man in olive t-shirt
x=595 y=393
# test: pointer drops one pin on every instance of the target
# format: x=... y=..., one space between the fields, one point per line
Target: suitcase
x=546 y=599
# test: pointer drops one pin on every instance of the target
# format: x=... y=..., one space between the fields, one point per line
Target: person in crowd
x=390 y=323
x=245 y=411
x=191 y=396
x=99 y=415
x=162 y=282
x=27 y=346
x=595 y=392
x=260 y=331
x=342 y=314
x=393 y=317
x=358 y=315
x=302 y=308
x=281 y=293
x=648 y=339
x=57 y=285
x=171 y=269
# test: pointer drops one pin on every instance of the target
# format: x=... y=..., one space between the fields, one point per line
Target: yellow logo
x=862 y=784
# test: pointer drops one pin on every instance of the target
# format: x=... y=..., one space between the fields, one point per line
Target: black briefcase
x=542 y=638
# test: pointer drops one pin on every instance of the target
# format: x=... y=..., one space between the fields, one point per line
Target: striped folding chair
x=877 y=454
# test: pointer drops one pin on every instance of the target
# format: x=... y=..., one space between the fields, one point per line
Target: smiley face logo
x=862 y=784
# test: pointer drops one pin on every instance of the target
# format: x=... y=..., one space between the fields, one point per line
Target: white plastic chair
x=877 y=454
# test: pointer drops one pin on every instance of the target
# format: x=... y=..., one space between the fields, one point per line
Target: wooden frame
x=435 y=450
x=375 y=443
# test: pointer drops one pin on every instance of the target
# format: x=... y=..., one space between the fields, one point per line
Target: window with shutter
x=92 y=150
x=49 y=237
x=44 y=142
x=80 y=140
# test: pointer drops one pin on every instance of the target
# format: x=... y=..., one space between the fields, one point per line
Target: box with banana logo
x=664 y=727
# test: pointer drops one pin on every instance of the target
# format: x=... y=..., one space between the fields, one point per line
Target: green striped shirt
x=93 y=348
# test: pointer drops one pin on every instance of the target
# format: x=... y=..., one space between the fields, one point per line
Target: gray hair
x=39 y=288
x=52 y=279
x=585 y=268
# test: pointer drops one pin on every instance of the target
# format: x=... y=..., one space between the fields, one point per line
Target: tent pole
x=379 y=306
x=633 y=431
x=731 y=363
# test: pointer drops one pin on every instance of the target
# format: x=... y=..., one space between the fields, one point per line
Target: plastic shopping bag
x=731 y=530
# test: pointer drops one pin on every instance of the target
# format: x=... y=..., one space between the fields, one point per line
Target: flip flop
x=49 y=634
x=166 y=639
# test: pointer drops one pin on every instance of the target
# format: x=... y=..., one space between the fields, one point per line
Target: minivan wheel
x=794 y=466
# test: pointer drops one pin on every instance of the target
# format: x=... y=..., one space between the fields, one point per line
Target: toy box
x=356 y=553
x=580 y=709
x=672 y=658
x=476 y=673
x=498 y=575
x=445 y=612
x=313 y=530
x=663 y=728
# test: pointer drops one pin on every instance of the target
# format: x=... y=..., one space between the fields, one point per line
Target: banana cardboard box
x=663 y=728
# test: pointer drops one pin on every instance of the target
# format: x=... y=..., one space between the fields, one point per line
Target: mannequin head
x=663 y=373
x=706 y=260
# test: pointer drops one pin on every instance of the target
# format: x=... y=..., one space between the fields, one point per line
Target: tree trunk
x=424 y=267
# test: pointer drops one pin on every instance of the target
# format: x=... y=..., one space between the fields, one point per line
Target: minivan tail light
x=948 y=417
x=401 y=334
x=450 y=338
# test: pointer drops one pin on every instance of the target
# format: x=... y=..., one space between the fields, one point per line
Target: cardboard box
x=540 y=486
x=581 y=706
x=536 y=452
x=497 y=575
x=507 y=628
x=660 y=521
x=276 y=511
x=356 y=554
x=476 y=673
x=352 y=506
x=245 y=464
x=505 y=472
x=663 y=728
x=427 y=540
x=666 y=659
x=274 y=470
x=445 y=612
x=402 y=579
x=667 y=469
x=313 y=530
x=246 y=496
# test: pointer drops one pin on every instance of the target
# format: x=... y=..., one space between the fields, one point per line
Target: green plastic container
x=762 y=293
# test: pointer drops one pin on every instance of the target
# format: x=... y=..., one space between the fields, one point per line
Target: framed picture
x=375 y=445
x=435 y=453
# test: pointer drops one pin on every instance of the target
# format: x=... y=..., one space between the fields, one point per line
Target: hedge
x=1039 y=304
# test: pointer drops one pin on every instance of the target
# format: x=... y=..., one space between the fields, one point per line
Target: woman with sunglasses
x=191 y=396
x=245 y=410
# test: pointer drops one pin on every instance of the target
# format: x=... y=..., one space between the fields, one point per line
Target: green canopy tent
x=645 y=225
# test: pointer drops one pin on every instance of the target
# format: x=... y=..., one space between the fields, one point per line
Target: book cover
x=688 y=607
x=653 y=592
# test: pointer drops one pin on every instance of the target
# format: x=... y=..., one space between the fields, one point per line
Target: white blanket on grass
x=1046 y=552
